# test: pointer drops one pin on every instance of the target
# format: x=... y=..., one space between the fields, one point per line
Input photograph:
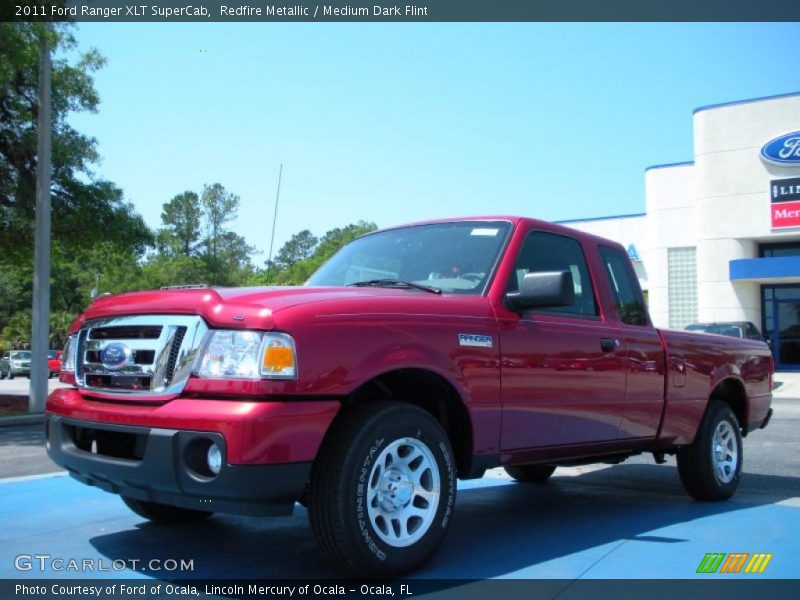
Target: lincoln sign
x=785 y=205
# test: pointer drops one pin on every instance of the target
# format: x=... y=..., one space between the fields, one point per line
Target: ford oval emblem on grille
x=115 y=356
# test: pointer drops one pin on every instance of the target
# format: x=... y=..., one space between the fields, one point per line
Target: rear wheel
x=164 y=513
x=531 y=473
x=383 y=489
x=711 y=466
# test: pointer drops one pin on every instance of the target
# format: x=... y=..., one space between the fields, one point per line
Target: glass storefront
x=780 y=311
x=781 y=315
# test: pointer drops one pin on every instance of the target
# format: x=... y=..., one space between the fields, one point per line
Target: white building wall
x=732 y=187
x=671 y=223
x=718 y=204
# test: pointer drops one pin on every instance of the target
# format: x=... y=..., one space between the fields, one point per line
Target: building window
x=778 y=250
x=682 y=286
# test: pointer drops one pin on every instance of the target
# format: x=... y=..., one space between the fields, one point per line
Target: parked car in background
x=740 y=329
x=53 y=363
x=15 y=362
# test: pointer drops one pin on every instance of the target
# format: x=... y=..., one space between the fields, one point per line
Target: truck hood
x=252 y=307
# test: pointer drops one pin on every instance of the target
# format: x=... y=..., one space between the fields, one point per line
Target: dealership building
x=720 y=236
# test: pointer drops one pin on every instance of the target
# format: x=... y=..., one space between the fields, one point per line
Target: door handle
x=608 y=344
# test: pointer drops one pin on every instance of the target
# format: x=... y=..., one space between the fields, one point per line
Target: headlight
x=67 y=356
x=236 y=354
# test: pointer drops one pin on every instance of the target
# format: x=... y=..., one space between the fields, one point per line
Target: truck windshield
x=456 y=257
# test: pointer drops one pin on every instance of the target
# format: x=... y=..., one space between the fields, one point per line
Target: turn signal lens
x=279 y=356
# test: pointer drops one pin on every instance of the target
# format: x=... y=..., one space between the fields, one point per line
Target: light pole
x=40 y=329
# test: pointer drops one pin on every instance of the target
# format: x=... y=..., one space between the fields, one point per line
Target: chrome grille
x=148 y=355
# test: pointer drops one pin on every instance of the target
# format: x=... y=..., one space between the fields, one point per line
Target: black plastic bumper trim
x=163 y=475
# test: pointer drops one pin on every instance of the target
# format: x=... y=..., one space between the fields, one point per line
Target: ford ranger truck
x=415 y=356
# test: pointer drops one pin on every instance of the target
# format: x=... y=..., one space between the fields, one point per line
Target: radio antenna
x=274 y=221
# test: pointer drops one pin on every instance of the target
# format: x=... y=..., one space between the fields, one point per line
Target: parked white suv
x=15 y=362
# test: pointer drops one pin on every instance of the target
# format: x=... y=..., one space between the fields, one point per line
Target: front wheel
x=710 y=467
x=164 y=513
x=383 y=490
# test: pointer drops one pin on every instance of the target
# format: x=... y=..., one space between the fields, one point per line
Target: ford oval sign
x=783 y=150
x=115 y=356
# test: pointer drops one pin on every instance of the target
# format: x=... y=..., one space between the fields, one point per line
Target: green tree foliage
x=299 y=247
x=298 y=271
x=164 y=270
x=100 y=243
x=195 y=228
x=17 y=332
x=88 y=213
x=219 y=208
x=182 y=217
x=84 y=208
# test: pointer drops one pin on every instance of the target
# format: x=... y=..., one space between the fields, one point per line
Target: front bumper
x=165 y=468
x=157 y=453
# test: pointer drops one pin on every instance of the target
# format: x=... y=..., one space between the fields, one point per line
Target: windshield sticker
x=485 y=231
x=472 y=339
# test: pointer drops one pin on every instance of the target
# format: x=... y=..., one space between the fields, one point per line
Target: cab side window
x=543 y=251
x=627 y=294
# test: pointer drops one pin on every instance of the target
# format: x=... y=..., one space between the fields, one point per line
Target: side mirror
x=547 y=289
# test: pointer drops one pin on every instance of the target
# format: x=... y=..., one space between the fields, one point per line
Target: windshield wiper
x=396 y=283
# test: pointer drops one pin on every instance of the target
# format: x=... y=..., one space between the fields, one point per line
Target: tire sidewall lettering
x=451 y=484
x=364 y=526
x=445 y=461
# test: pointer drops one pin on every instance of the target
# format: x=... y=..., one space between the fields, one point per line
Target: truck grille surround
x=146 y=355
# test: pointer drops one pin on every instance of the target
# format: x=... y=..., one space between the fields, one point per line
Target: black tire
x=696 y=462
x=531 y=473
x=164 y=513
x=2 y=374
x=10 y=373
x=355 y=462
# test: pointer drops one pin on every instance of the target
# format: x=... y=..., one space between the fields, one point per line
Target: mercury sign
x=783 y=150
x=785 y=205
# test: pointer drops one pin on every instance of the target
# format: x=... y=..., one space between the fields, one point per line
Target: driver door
x=563 y=377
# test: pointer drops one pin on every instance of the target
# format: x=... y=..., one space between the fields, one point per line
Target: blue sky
x=401 y=122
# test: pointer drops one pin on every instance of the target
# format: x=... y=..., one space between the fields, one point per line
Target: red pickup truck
x=415 y=356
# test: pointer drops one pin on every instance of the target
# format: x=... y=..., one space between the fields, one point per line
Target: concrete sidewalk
x=789 y=385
